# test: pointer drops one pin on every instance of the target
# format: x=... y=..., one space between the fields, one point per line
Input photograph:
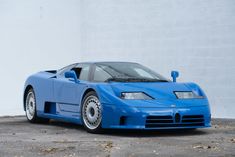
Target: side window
x=82 y=71
x=67 y=68
x=100 y=75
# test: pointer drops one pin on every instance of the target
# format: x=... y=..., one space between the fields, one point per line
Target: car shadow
x=135 y=133
x=131 y=133
x=154 y=133
x=67 y=125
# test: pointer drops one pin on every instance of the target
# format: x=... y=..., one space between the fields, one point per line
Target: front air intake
x=176 y=121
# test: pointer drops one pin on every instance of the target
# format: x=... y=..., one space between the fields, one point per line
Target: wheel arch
x=90 y=89
x=87 y=91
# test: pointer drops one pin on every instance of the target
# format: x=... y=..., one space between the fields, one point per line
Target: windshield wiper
x=118 y=79
x=156 y=80
x=147 y=80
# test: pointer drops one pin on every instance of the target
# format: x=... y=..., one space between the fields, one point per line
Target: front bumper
x=125 y=117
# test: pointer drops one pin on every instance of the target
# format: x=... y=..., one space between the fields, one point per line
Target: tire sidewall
x=99 y=128
x=35 y=108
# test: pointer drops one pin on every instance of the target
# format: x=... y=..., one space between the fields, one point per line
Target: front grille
x=193 y=119
x=176 y=121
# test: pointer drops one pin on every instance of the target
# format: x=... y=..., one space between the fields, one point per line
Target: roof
x=104 y=62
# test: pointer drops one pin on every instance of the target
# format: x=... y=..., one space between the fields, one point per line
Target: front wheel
x=91 y=113
x=30 y=108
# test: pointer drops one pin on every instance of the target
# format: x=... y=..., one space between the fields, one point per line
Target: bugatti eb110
x=116 y=95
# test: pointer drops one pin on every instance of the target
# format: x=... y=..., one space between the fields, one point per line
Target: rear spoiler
x=51 y=71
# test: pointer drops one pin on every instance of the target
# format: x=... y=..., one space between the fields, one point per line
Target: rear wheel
x=30 y=108
x=91 y=113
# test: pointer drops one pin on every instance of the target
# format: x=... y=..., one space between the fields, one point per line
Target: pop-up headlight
x=187 y=95
x=135 y=95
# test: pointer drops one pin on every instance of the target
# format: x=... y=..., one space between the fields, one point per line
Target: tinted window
x=143 y=73
x=125 y=71
x=100 y=75
x=83 y=72
x=67 y=68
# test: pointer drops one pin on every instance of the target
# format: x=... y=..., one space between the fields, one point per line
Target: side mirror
x=174 y=75
x=71 y=74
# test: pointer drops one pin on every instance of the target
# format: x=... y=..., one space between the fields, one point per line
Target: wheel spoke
x=92 y=112
x=30 y=105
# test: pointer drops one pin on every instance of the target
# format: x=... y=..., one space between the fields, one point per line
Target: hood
x=162 y=92
x=157 y=90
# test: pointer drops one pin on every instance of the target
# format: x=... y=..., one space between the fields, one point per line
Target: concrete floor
x=18 y=138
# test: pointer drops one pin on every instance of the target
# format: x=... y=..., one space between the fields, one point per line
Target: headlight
x=135 y=95
x=187 y=95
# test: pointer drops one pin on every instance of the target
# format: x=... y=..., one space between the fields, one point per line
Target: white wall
x=196 y=37
x=34 y=35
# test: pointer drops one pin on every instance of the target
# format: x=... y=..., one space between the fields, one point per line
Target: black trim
x=92 y=72
x=52 y=71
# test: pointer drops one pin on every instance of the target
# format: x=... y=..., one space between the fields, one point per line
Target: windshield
x=125 y=72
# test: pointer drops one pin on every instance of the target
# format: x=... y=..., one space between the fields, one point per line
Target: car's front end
x=158 y=105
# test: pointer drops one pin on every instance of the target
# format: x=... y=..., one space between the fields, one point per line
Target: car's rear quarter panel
x=42 y=84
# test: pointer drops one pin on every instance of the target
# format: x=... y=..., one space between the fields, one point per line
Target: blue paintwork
x=71 y=74
x=65 y=96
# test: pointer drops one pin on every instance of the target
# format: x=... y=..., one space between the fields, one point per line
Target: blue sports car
x=117 y=95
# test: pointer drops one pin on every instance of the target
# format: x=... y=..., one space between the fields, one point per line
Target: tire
x=91 y=113
x=31 y=108
x=191 y=129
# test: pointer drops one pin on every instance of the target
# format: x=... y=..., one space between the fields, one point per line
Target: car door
x=67 y=93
